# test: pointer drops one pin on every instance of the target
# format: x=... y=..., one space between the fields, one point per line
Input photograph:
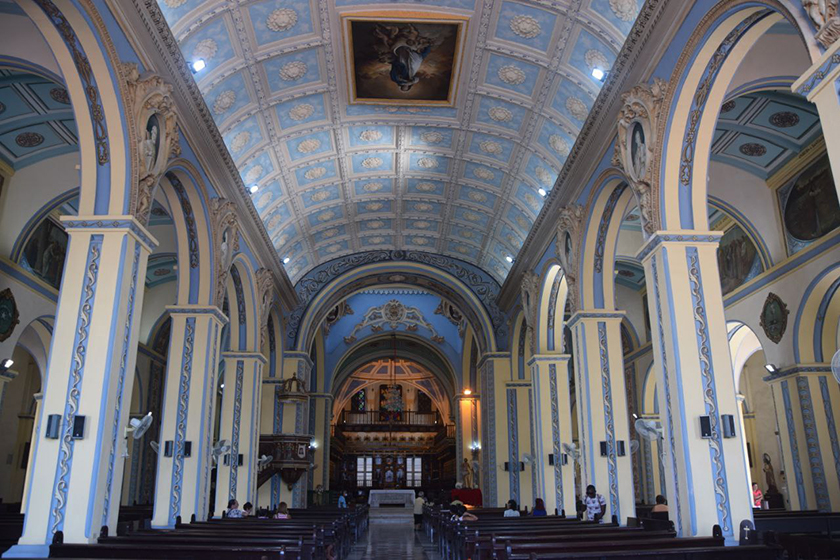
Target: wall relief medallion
x=636 y=142
x=393 y=314
x=774 y=317
x=9 y=317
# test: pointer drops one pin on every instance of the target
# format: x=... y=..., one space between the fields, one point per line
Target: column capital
x=798 y=370
x=195 y=310
x=595 y=315
x=233 y=355
x=492 y=356
x=111 y=224
x=824 y=71
x=687 y=237
x=549 y=358
x=299 y=356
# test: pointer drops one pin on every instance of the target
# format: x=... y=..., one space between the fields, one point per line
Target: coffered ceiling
x=336 y=178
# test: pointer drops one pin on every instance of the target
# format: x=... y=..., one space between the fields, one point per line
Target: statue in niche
x=469 y=474
x=150 y=145
x=638 y=151
x=769 y=473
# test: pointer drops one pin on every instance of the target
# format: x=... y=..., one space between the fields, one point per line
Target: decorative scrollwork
x=569 y=224
x=453 y=314
x=393 y=314
x=234 y=439
x=609 y=420
x=225 y=242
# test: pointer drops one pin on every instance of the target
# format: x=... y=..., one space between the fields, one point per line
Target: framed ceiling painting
x=403 y=58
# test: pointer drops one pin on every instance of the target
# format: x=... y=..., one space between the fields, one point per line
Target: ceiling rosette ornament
x=154 y=132
x=569 y=224
x=265 y=285
x=225 y=230
x=636 y=145
x=529 y=292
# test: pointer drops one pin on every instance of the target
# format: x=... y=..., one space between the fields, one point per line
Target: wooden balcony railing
x=385 y=418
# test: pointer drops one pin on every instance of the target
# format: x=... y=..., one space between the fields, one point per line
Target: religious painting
x=394 y=60
x=809 y=205
x=45 y=251
x=9 y=316
x=638 y=150
x=738 y=259
x=774 y=316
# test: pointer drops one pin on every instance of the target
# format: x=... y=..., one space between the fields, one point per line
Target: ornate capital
x=155 y=138
x=635 y=145
x=225 y=227
x=569 y=224
x=823 y=14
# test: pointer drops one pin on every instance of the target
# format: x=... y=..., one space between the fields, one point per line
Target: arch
x=649 y=404
x=816 y=330
x=551 y=310
x=697 y=90
x=36 y=340
x=606 y=210
x=743 y=343
x=300 y=333
x=88 y=61
x=241 y=293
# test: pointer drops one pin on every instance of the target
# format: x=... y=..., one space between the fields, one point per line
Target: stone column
x=184 y=459
x=494 y=370
x=807 y=398
x=552 y=428
x=694 y=377
x=602 y=409
x=240 y=427
x=94 y=348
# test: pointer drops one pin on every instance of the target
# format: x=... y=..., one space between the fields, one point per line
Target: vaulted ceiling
x=336 y=178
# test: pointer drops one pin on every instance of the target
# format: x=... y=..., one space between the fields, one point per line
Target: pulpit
x=291 y=457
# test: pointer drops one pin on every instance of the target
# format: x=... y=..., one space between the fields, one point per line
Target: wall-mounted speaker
x=603 y=449
x=187 y=448
x=705 y=427
x=728 y=422
x=551 y=459
x=168 y=445
x=241 y=459
x=79 y=427
x=620 y=451
x=53 y=426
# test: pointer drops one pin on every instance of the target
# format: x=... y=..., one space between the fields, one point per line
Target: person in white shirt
x=233 y=510
x=596 y=505
x=419 y=502
x=511 y=509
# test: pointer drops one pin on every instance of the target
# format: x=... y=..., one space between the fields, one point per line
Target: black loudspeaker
x=565 y=459
x=78 y=427
x=227 y=459
x=241 y=459
x=551 y=459
x=728 y=422
x=620 y=448
x=53 y=426
x=603 y=449
x=705 y=427
x=507 y=466
x=167 y=448
x=521 y=466
x=187 y=448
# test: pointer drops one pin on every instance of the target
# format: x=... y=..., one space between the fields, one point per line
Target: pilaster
x=494 y=371
x=694 y=379
x=94 y=348
x=552 y=428
x=240 y=427
x=602 y=409
x=184 y=459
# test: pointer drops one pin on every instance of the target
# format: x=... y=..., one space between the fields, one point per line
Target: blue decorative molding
x=816 y=77
x=513 y=445
x=234 y=439
x=278 y=411
x=74 y=385
x=609 y=420
x=199 y=310
x=829 y=420
x=709 y=391
x=663 y=360
x=181 y=421
x=488 y=421
x=552 y=309
x=557 y=447
x=210 y=407
x=579 y=388
x=582 y=315
x=533 y=447
x=794 y=370
x=189 y=219
x=326 y=439
x=121 y=387
x=645 y=450
x=240 y=294
x=606 y=218
x=126 y=223
x=256 y=356
x=794 y=448
x=812 y=440
x=658 y=239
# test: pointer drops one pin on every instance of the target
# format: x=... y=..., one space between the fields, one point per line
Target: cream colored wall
x=773 y=54
x=20 y=38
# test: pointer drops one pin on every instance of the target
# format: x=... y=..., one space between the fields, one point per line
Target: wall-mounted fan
x=138 y=426
x=264 y=461
x=634 y=446
x=572 y=451
x=222 y=447
x=155 y=446
x=527 y=458
x=648 y=429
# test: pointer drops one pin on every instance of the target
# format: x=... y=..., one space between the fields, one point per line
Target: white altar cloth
x=377 y=497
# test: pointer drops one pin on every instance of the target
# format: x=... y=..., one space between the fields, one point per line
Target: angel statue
x=149 y=148
x=469 y=474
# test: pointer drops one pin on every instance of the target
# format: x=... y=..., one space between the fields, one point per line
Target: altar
x=391 y=497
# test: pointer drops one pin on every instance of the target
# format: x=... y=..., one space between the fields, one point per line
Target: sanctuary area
x=428 y=279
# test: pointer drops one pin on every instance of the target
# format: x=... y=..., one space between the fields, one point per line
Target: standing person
x=233 y=510
x=282 y=511
x=539 y=508
x=596 y=505
x=419 y=502
x=342 y=500
x=511 y=509
x=758 y=496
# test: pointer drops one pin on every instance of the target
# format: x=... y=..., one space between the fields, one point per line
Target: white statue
x=824 y=15
x=223 y=249
x=149 y=148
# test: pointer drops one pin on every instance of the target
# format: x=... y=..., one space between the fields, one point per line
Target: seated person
x=282 y=511
x=661 y=505
x=233 y=510
x=511 y=509
x=248 y=509
x=461 y=514
x=539 y=508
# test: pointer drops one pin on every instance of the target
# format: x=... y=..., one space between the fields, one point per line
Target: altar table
x=377 y=497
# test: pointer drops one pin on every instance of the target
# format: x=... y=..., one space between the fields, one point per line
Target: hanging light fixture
x=393 y=398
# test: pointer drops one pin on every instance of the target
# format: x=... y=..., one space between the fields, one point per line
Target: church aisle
x=389 y=541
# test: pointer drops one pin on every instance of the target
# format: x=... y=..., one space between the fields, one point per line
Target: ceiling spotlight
x=467 y=392
x=509 y=259
x=7 y=363
x=542 y=192
x=598 y=74
x=286 y=260
x=771 y=368
x=198 y=65
x=222 y=386
x=254 y=188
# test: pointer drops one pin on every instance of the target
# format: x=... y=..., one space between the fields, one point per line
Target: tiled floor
x=392 y=541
